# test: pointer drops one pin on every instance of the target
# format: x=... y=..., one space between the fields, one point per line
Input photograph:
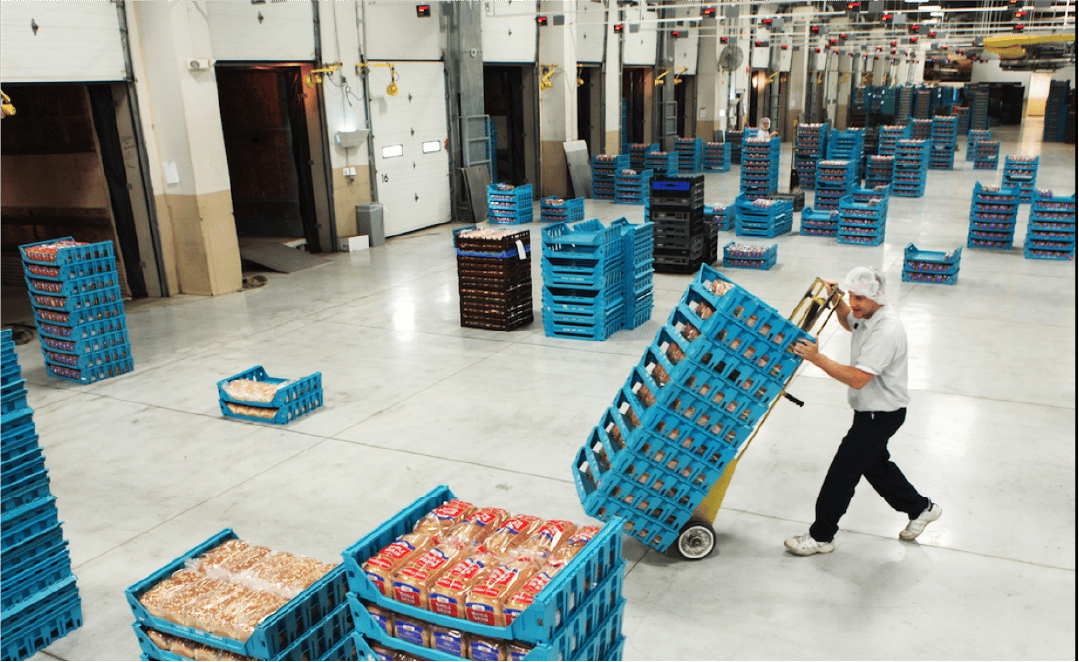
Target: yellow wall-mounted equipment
x=6 y=108
x=659 y=78
x=545 y=80
x=315 y=77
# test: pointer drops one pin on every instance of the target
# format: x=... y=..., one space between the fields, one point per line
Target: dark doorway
x=589 y=108
x=685 y=98
x=64 y=176
x=503 y=102
x=1006 y=103
x=264 y=122
x=637 y=100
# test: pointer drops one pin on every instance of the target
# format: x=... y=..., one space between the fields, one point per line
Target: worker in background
x=877 y=378
x=765 y=131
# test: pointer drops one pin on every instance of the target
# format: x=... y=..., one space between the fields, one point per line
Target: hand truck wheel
x=696 y=540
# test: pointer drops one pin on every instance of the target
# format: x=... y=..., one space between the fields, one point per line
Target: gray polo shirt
x=878 y=345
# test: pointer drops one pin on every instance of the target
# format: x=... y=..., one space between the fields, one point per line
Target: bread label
x=449 y=641
x=382 y=622
x=462 y=572
x=445 y=605
x=481 y=613
x=406 y=594
x=483 y=649
x=485 y=517
x=537 y=583
x=410 y=632
x=500 y=578
x=517 y=651
x=396 y=551
x=521 y=250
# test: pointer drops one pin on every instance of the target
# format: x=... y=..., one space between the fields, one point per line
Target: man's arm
x=841 y=307
x=847 y=374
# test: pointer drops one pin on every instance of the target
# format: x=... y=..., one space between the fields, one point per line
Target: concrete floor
x=144 y=466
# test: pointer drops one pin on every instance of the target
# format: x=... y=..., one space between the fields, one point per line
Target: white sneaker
x=807 y=545
x=918 y=524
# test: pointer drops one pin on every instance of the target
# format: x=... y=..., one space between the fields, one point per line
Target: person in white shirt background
x=765 y=131
x=877 y=381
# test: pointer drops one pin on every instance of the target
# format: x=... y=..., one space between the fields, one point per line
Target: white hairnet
x=867 y=282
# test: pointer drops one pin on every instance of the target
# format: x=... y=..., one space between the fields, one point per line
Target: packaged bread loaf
x=449 y=640
x=546 y=539
x=164 y=592
x=381 y=617
x=517 y=650
x=381 y=567
x=412 y=584
x=487 y=599
x=411 y=630
x=249 y=390
x=442 y=519
x=252 y=410
x=572 y=545
x=523 y=599
x=382 y=653
x=447 y=596
x=483 y=648
x=475 y=529
x=511 y=533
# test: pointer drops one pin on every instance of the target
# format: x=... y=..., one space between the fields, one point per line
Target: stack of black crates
x=676 y=210
x=1056 y=111
x=494 y=277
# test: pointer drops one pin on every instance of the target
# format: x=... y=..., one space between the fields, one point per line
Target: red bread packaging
x=447 y=596
x=381 y=567
x=476 y=529
x=487 y=599
x=546 y=539
x=442 y=519
x=413 y=583
x=513 y=532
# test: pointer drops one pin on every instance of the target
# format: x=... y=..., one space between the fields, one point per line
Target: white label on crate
x=521 y=250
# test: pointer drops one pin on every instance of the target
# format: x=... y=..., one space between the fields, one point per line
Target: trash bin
x=369 y=222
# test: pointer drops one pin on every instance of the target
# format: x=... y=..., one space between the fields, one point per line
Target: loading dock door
x=409 y=134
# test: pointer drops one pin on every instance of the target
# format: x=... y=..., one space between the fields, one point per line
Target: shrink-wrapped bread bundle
x=283 y=573
x=511 y=533
x=449 y=640
x=546 y=539
x=381 y=567
x=250 y=390
x=246 y=611
x=483 y=648
x=413 y=583
x=475 y=529
x=486 y=599
x=252 y=410
x=165 y=592
x=447 y=596
x=442 y=519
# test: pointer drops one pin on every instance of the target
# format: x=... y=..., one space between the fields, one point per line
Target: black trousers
x=864 y=452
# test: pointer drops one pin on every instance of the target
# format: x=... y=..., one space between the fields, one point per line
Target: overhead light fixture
x=930 y=8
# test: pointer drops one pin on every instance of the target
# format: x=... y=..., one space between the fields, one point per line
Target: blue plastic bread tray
x=41 y=620
x=274 y=635
x=66 y=256
x=595 y=574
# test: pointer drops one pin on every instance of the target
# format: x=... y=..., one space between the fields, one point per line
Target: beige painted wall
x=347 y=193
x=610 y=143
x=555 y=177
x=207 y=255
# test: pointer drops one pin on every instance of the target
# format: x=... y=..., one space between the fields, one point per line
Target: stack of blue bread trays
x=749 y=256
x=690 y=155
x=78 y=309
x=764 y=217
x=444 y=579
x=494 y=277
x=993 y=213
x=834 y=179
x=760 y=167
x=40 y=600
x=508 y=204
x=931 y=266
x=558 y=210
x=687 y=408
x=604 y=169
x=717 y=157
x=227 y=597
x=1051 y=228
x=253 y=395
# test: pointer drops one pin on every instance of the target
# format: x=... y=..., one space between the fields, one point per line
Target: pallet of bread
x=444 y=579
x=245 y=600
x=255 y=396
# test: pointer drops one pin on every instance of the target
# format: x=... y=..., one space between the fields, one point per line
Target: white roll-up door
x=409 y=132
x=265 y=32
x=60 y=42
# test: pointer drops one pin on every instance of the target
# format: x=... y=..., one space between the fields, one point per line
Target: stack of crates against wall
x=903 y=105
x=763 y=217
x=921 y=129
x=822 y=223
x=637 y=153
x=303 y=615
x=1021 y=171
x=973 y=138
x=583 y=272
x=963 y=122
x=979 y=109
x=931 y=266
x=862 y=222
x=834 y=179
x=750 y=256
x=637 y=243
x=677 y=214
x=735 y=139
x=889 y=134
x=557 y=210
x=993 y=212
x=760 y=167
x=686 y=409
x=986 y=154
x=662 y=163
x=942 y=150
x=889 y=100
x=879 y=170
x=1051 y=227
x=494 y=277
x=508 y=204
x=717 y=157
x=631 y=186
x=571 y=613
x=78 y=309
x=690 y=155
x=604 y=169
x=40 y=599
x=1056 y=111
x=911 y=166
x=922 y=106
x=810 y=146
x=721 y=215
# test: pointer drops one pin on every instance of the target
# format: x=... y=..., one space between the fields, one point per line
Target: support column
x=191 y=180
x=558 y=103
x=708 y=88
